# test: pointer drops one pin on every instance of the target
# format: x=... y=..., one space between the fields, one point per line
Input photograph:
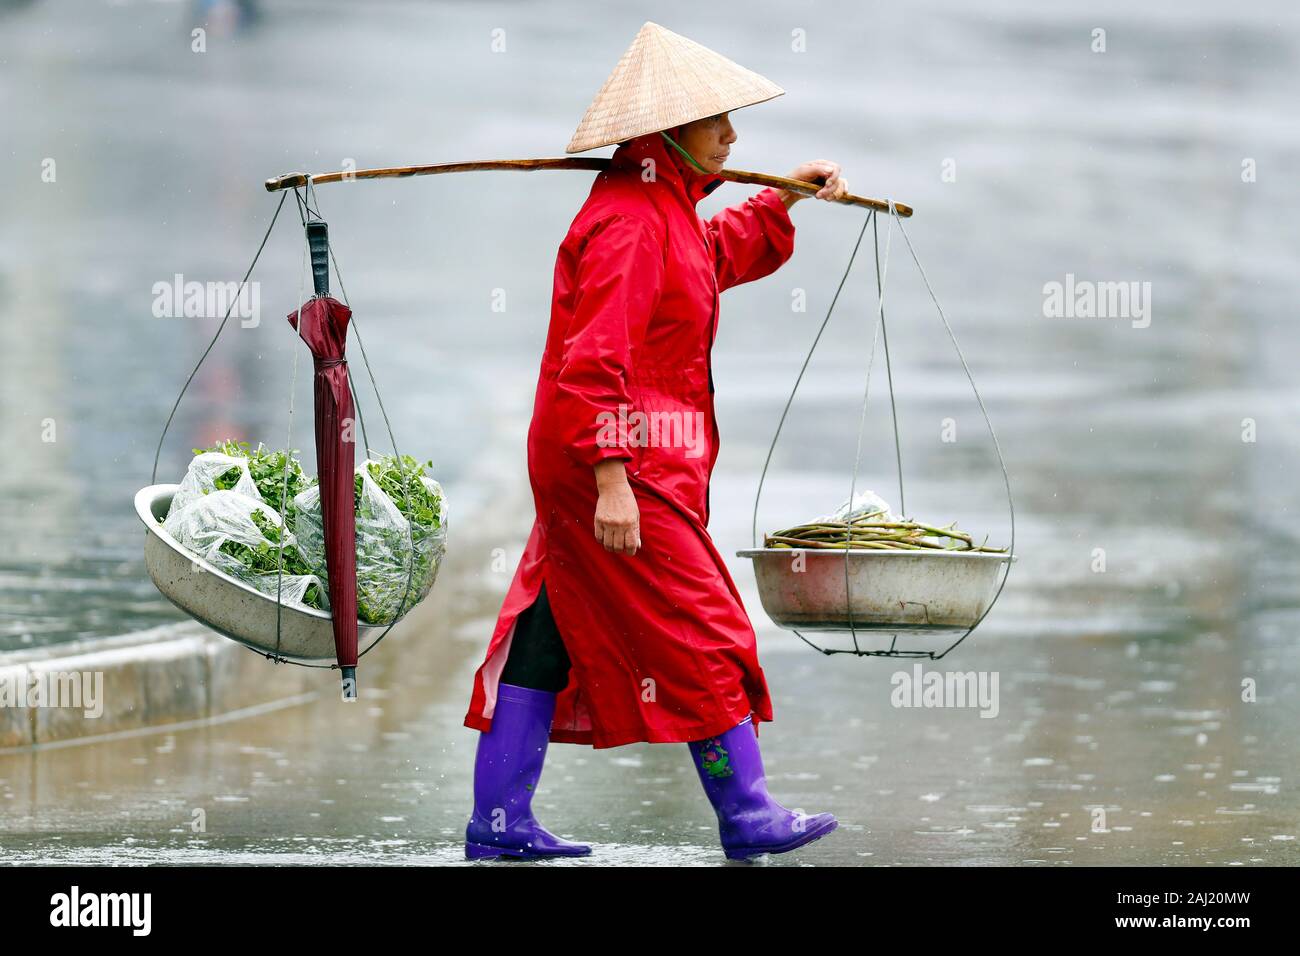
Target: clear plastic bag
x=214 y=524
x=201 y=478
x=430 y=544
x=865 y=502
x=384 y=537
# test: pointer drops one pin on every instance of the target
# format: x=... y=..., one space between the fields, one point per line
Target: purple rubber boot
x=506 y=769
x=750 y=822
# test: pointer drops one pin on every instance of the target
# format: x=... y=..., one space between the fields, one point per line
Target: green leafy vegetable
x=266 y=468
x=264 y=558
x=398 y=504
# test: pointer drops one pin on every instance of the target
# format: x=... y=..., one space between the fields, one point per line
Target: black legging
x=537 y=658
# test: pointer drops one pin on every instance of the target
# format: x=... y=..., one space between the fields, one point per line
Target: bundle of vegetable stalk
x=227 y=510
x=867 y=523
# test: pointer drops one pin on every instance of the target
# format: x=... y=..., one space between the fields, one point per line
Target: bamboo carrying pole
x=593 y=163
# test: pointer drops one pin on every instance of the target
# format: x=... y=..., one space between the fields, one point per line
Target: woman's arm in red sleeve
x=751 y=240
x=618 y=281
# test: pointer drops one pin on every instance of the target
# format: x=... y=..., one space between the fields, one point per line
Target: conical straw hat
x=662 y=81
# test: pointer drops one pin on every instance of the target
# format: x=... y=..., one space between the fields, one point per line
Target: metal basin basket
x=923 y=592
x=227 y=605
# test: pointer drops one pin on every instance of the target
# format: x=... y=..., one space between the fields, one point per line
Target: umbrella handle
x=318 y=243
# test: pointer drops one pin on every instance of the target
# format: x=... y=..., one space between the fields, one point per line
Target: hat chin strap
x=689 y=158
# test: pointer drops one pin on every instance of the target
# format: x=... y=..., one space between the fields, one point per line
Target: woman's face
x=708 y=140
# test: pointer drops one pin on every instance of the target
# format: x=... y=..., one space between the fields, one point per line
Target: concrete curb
x=179 y=673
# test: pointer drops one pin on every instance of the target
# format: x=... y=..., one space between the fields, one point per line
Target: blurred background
x=1029 y=154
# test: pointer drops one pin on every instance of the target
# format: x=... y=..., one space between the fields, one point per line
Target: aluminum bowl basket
x=931 y=592
x=227 y=605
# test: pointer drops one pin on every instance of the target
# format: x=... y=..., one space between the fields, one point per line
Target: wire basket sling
x=880 y=335
x=308 y=212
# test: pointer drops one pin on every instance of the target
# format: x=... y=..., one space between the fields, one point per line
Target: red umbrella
x=322 y=322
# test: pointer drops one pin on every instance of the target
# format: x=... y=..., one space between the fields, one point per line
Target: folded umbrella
x=322 y=322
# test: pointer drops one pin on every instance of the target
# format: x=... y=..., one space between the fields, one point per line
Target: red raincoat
x=660 y=644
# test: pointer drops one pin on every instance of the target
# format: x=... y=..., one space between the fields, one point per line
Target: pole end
x=287 y=181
